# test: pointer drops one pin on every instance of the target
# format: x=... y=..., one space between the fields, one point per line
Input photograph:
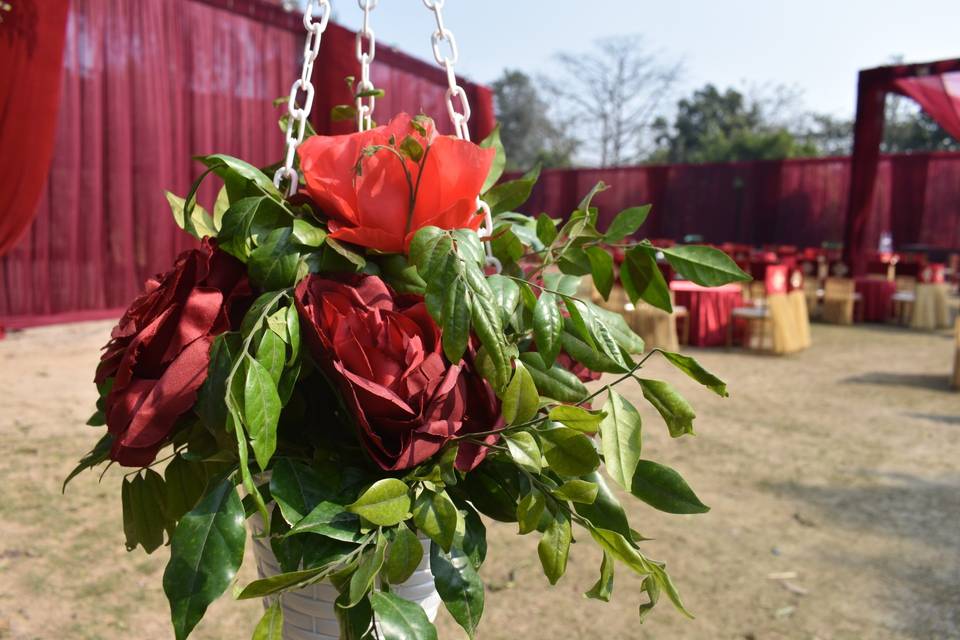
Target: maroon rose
x=160 y=350
x=383 y=353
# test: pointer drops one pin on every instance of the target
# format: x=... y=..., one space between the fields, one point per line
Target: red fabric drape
x=935 y=87
x=31 y=48
x=799 y=202
x=410 y=84
x=146 y=85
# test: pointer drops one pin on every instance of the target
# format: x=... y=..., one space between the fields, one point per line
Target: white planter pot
x=309 y=614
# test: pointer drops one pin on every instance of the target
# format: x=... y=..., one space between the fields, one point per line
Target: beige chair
x=657 y=328
x=839 y=299
x=904 y=298
x=931 y=308
x=770 y=325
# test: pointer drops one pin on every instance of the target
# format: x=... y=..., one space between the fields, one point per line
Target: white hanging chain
x=298 y=115
x=460 y=119
x=366 y=104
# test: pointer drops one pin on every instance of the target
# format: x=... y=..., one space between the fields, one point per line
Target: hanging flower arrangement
x=365 y=364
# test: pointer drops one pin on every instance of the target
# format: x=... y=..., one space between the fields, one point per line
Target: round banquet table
x=709 y=310
x=876 y=297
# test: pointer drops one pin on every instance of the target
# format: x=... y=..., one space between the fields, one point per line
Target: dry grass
x=837 y=466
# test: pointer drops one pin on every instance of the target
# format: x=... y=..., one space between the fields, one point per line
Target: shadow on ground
x=932 y=381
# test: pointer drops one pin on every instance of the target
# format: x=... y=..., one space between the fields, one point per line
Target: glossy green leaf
x=546 y=229
x=589 y=356
x=605 y=512
x=524 y=450
x=577 y=418
x=577 y=491
x=651 y=587
x=385 y=503
x=199 y=224
x=508 y=196
x=474 y=541
x=144 y=503
x=293 y=333
x=693 y=369
x=235 y=171
x=370 y=564
x=664 y=489
x=568 y=452
x=436 y=516
x=459 y=586
x=706 y=266
x=248 y=221
x=99 y=453
x=547 y=327
x=620 y=433
x=261 y=411
x=622 y=334
x=601 y=269
x=456 y=321
x=642 y=279
x=554 y=548
x=279 y=583
x=185 y=483
x=554 y=382
x=506 y=294
x=403 y=556
x=399 y=619
x=520 y=399
x=603 y=588
x=270 y=626
x=492 y=141
x=274 y=264
x=675 y=410
x=626 y=223
x=530 y=510
x=206 y=551
x=307 y=234
x=297 y=489
x=272 y=352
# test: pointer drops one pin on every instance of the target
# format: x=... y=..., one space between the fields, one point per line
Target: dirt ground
x=833 y=477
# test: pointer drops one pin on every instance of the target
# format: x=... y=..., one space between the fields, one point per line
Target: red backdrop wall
x=801 y=202
x=146 y=85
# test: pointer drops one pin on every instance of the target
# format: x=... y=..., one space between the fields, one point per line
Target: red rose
x=383 y=353
x=159 y=351
x=379 y=199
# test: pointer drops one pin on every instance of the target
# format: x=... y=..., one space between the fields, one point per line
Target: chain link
x=299 y=112
x=460 y=118
x=366 y=104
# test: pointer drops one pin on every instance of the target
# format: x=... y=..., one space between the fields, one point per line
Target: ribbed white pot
x=309 y=614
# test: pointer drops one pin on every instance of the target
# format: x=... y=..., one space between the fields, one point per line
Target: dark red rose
x=383 y=353
x=576 y=368
x=160 y=350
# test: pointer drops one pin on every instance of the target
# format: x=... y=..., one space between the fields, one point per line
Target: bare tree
x=611 y=95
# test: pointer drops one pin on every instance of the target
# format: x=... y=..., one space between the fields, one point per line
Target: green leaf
x=675 y=410
x=270 y=626
x=261 y=411
x=307 y=234
x=349 y=255
x=272 y=352
x=577 y=418
x=199 y=224
x=520 y=399
x=605 y=512
x=493 y=488
x=506 y=294
x=220 y=207
x=293 y=333
x=693 y=369
x=385 y=503
x=411 y=148
x=363 y=578
x=330 y=520
x=662 y=488
x=626 y=223
x=278 y=583
x=603 y=588
x=524 y=450
x=587 y=199
x=601 y=270
x=492 y=141
x=706 y=266
x=399 y=619
x=456 y=321
x=574 y=261
x=297 y=489
x=577 y=491
x=546 y=229
x=185 y=483
x=487 y=324
x=589 y=356
x=554 y=548
x=144 y=503
x=652 y=589
x=547 y=327
x=642 y=279
x=620 y=433
x=568 y=452
x=530 y=510
x=578 y=323
x=99 y=453
x=436 y=516
x=554 y=382
x=403 y=556
x=274 y=264
x=474 y=541
x=205 y=554
x=248 y=221
x=237 y=174
x=622 y=334
x=508 y=196
x=459 y=586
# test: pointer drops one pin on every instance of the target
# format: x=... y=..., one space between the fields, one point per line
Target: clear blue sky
x=816 y=46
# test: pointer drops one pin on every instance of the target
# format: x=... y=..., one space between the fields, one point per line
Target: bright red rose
x=383 y=353
x=159 y=352
x=381 y=198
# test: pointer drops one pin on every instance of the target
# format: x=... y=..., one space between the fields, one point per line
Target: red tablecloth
x=709 y=310
x=877 y=298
